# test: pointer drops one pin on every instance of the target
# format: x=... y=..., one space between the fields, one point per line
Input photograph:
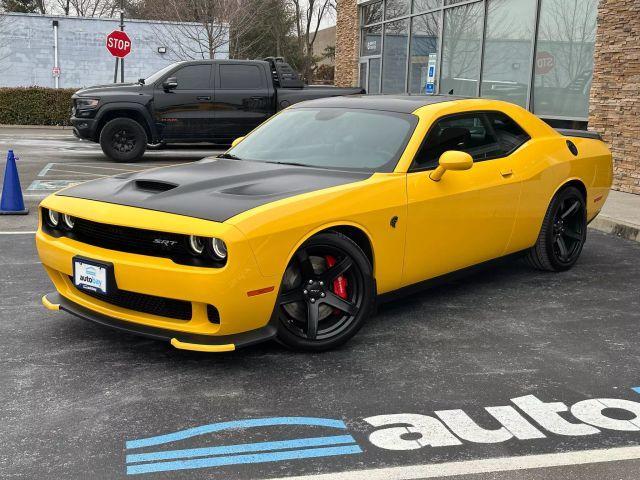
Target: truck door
x=186 y=111
x=243 y=99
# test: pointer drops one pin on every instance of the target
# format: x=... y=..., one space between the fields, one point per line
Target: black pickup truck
x=212 y=101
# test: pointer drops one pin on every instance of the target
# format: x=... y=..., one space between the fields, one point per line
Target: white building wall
x=27 y=53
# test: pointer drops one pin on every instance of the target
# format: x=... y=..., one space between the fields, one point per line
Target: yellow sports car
x=299 y=228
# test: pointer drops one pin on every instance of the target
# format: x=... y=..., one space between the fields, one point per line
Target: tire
x=123 y=140
x=329 y=279
x=563 y=233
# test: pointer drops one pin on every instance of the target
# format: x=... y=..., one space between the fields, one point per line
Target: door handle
x=506 y=172
x=204 y=99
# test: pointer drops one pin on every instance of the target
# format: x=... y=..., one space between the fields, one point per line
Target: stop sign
x=544 y=63
x=118 y=44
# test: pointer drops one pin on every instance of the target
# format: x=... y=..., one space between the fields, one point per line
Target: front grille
x=134 y=240
x=128 y=239
x=140 y=302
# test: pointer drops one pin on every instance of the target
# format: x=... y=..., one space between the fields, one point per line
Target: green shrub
x=35 y=106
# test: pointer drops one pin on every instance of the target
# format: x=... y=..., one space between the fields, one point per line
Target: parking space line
x=18 y=233
x=79 y=173
x=489 y=465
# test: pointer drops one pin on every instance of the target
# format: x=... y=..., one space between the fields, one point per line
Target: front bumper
x=243 y=317
x=183 y=341
x=84 y=128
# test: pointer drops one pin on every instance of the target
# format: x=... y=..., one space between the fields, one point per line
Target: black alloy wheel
x=123 y=140
x=563 y=233
x=326 y=294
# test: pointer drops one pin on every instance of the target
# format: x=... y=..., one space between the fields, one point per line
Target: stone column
x=614 y=109
x=347 y=36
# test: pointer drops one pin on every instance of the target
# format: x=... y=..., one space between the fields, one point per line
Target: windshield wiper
x=230 y=156
x=295 y=164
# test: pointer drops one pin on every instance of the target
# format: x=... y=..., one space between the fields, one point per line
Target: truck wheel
x=123 y=140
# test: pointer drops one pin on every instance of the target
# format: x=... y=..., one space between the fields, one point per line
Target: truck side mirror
x=170 y=83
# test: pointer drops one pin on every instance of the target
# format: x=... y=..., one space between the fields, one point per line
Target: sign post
x=119 y=45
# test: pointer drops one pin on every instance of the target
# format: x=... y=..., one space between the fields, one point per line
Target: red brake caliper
x=340 y=283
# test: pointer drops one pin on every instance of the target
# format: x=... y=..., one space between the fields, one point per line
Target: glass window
x=240 y=77
x=424 y=51
x=371 y=41
x=394 y=62
x=396 y=8
x=509 y=134
x=564 y=58
x=363 y=75
x=193 y=77
x=371 y=13
x=466 y=132
x=424 y=5
x=462 y=38
x=374 y=76
x=330 y=138
x=507 y=52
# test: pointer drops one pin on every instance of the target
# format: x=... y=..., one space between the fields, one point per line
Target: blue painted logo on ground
x=258 y=452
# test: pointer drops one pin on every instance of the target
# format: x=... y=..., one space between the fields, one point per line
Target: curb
x=616 y=227
x=38 y=127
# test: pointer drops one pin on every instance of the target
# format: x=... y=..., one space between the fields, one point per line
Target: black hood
x=212 y=189
x=108 y=88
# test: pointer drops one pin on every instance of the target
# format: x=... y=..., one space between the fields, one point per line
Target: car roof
x=390 y=103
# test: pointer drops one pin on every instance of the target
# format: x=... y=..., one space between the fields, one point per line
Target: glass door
x=370 y=74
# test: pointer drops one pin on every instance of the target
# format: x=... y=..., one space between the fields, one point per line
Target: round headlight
x=196 y=244
x=54 y=218
x=68 y=221
x=219 y=248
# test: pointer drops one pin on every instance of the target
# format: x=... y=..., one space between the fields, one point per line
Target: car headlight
x=84 y=103
x=52 y=218
x=219 y=248
x=68 y=221
x=196 y=245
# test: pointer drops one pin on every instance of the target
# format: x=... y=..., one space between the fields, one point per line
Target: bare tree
x=309 y=15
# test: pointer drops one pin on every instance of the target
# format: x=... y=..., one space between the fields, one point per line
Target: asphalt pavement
x=556 y=353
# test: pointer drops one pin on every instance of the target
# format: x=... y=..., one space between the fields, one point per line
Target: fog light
x=68 y=221
x=53 y=218
x=219 y=248
x=196 y=244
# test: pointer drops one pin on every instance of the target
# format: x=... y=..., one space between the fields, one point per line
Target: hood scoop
x=154 y=185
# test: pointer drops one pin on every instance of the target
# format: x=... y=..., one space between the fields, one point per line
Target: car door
x=186 y=111
x=468 y=216
x=243 y=99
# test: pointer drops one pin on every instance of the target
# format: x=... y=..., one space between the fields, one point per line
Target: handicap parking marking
x=51 y=185
x=636 y=389
x=239 y=454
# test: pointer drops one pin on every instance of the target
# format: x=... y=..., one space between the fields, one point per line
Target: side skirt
x=446 y=278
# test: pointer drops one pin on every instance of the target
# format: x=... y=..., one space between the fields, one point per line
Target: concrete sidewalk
x=620 y=216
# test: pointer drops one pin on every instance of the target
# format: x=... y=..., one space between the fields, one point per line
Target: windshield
x=330 y=138
x=154 y=77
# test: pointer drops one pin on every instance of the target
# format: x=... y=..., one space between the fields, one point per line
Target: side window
x=240 y=77
x=510 y=135
x=193 y=77
x=467 y=132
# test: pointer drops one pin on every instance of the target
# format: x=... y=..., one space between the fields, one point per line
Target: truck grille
x=140 y=302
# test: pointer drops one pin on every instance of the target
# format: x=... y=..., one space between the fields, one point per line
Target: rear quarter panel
x=548 y=167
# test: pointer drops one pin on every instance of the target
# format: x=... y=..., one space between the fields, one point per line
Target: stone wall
x=347 y=35
x=614 y=109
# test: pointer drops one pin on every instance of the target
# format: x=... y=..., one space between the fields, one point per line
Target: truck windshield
x=352 y=139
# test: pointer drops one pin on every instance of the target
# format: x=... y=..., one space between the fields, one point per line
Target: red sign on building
x=118 y=44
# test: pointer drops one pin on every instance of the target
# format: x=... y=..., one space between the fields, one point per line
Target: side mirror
x=170 y=83
x=451 y=160
x=236 y=141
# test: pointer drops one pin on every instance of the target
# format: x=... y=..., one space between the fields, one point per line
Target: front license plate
x=89 y=275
